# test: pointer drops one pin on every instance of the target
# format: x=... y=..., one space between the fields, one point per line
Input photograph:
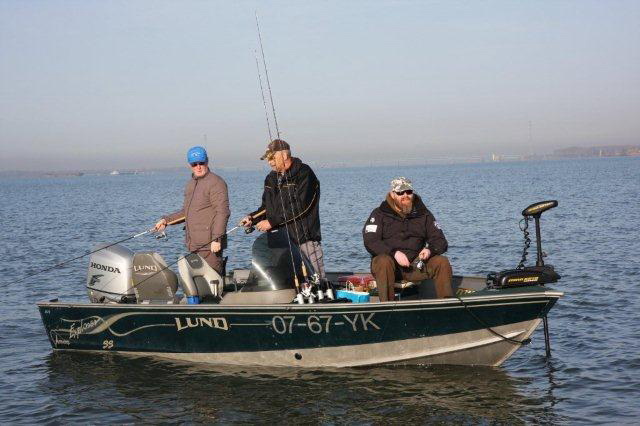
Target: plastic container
x=193 y=300
x=354 y=296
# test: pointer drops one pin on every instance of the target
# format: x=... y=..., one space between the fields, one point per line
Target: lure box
x=354 y=296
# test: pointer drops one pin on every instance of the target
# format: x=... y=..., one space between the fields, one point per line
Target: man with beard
x=406 y=242
x=290 y=199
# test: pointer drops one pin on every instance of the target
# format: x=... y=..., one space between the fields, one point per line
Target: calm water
x=592 y=238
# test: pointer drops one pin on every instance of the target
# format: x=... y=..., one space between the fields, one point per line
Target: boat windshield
x=273 y=262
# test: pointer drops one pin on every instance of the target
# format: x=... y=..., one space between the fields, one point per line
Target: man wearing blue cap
x=205 y=210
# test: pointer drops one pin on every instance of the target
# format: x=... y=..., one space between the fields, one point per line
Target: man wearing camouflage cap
x=406 y=242
x=290 y=199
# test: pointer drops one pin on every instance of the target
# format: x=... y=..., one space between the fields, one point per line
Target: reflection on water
x=130 y=388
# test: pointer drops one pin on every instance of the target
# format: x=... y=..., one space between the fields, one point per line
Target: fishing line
x=195 y=251
x=295 y=215
x=278 y=183
x=85 y=254
x=264 y=102
x=266 y=73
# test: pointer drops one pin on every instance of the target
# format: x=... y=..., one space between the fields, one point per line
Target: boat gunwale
x=403 y=304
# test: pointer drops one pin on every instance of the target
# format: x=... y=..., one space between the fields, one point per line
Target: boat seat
x=153 y=281
x=199 y=279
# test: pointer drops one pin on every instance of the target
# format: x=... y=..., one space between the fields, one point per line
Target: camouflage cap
x=400 y=184
x=274 y=146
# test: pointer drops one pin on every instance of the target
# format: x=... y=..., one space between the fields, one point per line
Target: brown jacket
x=205 y=210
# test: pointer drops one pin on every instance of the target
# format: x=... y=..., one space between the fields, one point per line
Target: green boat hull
x=472 y=330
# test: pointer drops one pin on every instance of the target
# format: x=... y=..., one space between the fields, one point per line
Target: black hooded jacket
x=386 y=232
x=299 y=191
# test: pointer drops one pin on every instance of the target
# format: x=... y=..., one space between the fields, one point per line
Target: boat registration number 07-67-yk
x=317 y=324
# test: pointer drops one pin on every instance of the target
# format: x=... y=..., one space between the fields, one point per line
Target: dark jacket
x=299 y=192
x=205 y=210
x=386 y=231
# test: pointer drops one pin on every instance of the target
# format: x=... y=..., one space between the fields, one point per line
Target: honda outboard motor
x=117 y=275
x=109 y=276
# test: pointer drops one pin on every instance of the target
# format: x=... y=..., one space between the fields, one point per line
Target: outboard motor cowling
x=152 y=280
x=109 y=275
x=118 y=275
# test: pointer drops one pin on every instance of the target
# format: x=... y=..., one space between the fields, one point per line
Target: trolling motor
x=539 y=274
x=529 y=275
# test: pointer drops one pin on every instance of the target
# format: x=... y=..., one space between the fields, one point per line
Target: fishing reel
x=249 y=229
x=539 y=274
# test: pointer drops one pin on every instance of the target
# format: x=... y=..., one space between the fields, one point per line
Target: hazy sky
x=117 y=84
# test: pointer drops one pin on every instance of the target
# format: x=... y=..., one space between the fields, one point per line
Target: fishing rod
x=322 y=285
x=58 y=265
x=194 y=251
x=264 y=102
x=266 y=73
x=299 y=296
x=285 y=174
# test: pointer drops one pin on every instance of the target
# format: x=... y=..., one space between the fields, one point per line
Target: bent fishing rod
x=194 y=251
x=61 y=264
x=148 y=231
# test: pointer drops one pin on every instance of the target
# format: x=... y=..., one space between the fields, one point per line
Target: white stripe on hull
x=479 y=347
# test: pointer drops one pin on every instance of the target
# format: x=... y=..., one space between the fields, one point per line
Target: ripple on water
x=592 y=377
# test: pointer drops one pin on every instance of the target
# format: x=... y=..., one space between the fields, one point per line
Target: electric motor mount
x=527 y=276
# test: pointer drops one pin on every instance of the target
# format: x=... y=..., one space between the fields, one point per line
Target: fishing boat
x=261 y=316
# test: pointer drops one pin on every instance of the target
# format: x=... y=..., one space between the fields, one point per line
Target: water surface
x=592 y=238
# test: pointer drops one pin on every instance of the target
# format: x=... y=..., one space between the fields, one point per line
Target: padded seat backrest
x=198 y=278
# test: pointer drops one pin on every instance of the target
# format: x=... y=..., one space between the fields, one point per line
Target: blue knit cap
x=197 y=154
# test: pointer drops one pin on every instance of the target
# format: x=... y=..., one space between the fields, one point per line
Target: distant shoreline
x=627 y=151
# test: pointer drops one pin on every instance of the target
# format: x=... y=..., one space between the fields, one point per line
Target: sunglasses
x=199 y=163
x=408 y=192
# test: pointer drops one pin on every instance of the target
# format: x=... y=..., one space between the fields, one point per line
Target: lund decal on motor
x=140 y=268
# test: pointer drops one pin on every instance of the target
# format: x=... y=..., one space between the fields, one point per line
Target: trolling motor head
x=535 y=210
x=528 y=275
